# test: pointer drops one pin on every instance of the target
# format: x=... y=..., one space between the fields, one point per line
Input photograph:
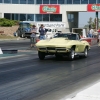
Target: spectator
x=90 y=34
x=42 y=31
x=33 y=36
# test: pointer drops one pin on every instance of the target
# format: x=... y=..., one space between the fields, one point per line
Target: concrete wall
x=24 y=8
x=1 y=15
x=9 y=30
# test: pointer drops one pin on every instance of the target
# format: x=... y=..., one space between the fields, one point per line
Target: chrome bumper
x=54 y=50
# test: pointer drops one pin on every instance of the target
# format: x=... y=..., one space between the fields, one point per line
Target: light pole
x=96 y=21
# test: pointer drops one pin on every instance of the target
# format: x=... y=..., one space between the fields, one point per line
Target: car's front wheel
x=71 y=55
x=41 y=55
x=22 y=35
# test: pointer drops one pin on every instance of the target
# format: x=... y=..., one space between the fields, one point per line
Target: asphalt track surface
x=15 y=44
x=25 y=77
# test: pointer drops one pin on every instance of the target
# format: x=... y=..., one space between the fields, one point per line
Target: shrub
x=7 y=22
x=3 y=19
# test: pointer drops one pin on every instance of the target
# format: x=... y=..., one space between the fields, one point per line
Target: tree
x=98 y=22
x=90 y=21
x=94 y=23
x=86 y=26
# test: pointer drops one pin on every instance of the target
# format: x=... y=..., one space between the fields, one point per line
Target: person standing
x=42 y=31
x=33 y=36
x=91 y=31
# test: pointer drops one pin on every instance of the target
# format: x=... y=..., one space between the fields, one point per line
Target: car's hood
x=54 y=42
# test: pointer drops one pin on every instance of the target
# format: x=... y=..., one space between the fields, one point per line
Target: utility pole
x=96 y=21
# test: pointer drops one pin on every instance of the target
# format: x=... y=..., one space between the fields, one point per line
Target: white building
x=56 y=12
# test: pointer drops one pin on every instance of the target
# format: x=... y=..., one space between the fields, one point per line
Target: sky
x=84 y=17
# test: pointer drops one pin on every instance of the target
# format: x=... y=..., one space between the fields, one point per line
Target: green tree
x=94 y=23
x=90 y=22
x=98 y=22
x=86 y=26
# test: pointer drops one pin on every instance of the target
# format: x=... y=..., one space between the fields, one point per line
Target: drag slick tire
x=41 y=55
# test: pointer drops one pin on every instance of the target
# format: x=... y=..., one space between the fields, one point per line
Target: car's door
x=80 y=44
x=75 y=42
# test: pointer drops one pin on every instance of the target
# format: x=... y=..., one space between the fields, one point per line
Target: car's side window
x=73 y=36
x=78 y=37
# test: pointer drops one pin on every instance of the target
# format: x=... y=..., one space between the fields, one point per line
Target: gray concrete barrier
x=10 y=51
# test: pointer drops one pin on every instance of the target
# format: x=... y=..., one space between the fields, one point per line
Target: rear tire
x=41 y=55
x=85 y=52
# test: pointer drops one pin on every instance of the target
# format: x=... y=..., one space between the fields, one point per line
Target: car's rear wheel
x=41 y=55
x=86 y=52
x=71 y=55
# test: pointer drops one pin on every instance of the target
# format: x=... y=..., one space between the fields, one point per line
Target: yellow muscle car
x=63 y=44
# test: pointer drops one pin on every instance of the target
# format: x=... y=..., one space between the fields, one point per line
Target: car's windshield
x=67 y=35
x=25 y=25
